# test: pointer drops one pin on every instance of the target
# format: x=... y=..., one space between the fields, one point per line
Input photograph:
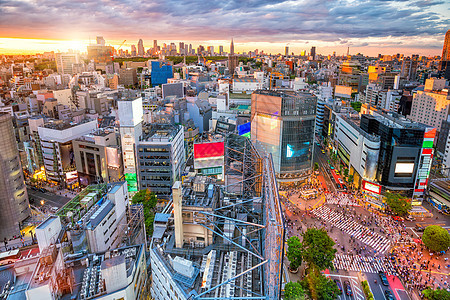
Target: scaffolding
x=252 y=260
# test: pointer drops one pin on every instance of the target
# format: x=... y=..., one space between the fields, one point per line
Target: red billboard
x=371 y=187
x=206 y=150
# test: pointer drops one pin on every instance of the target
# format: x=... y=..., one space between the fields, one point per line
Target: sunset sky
x=370 y=27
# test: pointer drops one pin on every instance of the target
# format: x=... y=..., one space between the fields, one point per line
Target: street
x=369 y=242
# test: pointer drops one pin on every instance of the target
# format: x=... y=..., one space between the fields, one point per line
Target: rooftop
x=161 y=132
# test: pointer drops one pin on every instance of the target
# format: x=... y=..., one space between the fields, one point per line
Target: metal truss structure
x=251 y=203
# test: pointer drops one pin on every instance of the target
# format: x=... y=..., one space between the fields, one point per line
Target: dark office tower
x=155 y=46
x=286 y=51
x=220 y=50
x=181 y=46
x=140 y=48
x=133 y=50
x=232 y=59
x=444 y=64
x=13 y=193
x=409 y=67
x=190 y=49
x=313 y=53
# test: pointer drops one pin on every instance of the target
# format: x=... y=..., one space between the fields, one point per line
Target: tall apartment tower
x=65 y=62
x=313 y=53
x=13 y=193
x=286 y=51
x=140 y=48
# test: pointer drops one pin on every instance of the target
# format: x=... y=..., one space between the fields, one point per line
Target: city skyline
x=369 y=27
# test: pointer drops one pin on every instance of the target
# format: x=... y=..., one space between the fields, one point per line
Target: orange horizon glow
x=32 y=46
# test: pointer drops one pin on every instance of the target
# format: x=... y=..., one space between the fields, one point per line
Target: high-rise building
x=65 y=62
x=211 y=50
x=141 y=49
x=155 y=47
x=286 y=51
x=232 y=59
x=220 y=50
x=100 y=41
x=283 y=125
x=190 y=49
x=431 y=106
x=446 y=48
x=444 y=64
x=131 y=118
x=13 y=193
x=313 y=53
x=409 y=68
x=181 y=46
x=133 y=50
x=161 y=157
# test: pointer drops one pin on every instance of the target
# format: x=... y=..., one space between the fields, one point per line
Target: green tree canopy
x=319 y=287
x=294 y=252
x=439 y=294
x=294 y=291
x=317 y=248
x=436 y=238
x=316 y=166
x=356 y=106
x=148 y=200
x=398 y=204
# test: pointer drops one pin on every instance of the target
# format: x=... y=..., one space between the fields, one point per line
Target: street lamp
x=42 y=202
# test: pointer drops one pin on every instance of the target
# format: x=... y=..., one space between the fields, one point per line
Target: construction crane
x=112 y=56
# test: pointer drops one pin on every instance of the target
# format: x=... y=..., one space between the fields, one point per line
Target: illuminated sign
x=423 y=172
x=289 y=151
x=244 y=128
x=404 y=168
x=131 y=181
x=205 y=150
x=371 y=187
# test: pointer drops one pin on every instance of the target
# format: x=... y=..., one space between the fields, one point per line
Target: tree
x=356 y=106
x=316 y=166
x=436 y=238
x=317 y=249
x=345 y=172
x=294 y=252
x=439 y=294
x=398 y=204
x=148 y=200
x=294 y=291
x=318 y=286
x=350 y=179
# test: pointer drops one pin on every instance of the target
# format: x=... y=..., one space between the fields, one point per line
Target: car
x=54 y=209
x=341 y=181
x=318 y=144
x=410 y=218
x=323 y=151
x=348 y=288
x=331 y=167
x=388 y=295
x=42 y=190
x=383 y=278
x=419 y=227
x=337 y=172
x=339 y=285
x=397 y=218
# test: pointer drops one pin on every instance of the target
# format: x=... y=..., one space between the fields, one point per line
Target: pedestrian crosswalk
x=362 y=264
x=358 y=293
x=362 y=233
x=331 y=199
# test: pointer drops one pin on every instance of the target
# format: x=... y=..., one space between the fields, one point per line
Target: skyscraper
x=313 y=53
x=181 y=46
x=13 y=193
x=220 y=50
x=232 y=47
x=141 y=50
x=286 y=51
x=133 y=50
x=232 y=59
x=444 y=64
x=283 y=125
x=155 y=47
x=446 y=48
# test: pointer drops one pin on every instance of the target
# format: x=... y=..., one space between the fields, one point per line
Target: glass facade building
x=282 y=124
